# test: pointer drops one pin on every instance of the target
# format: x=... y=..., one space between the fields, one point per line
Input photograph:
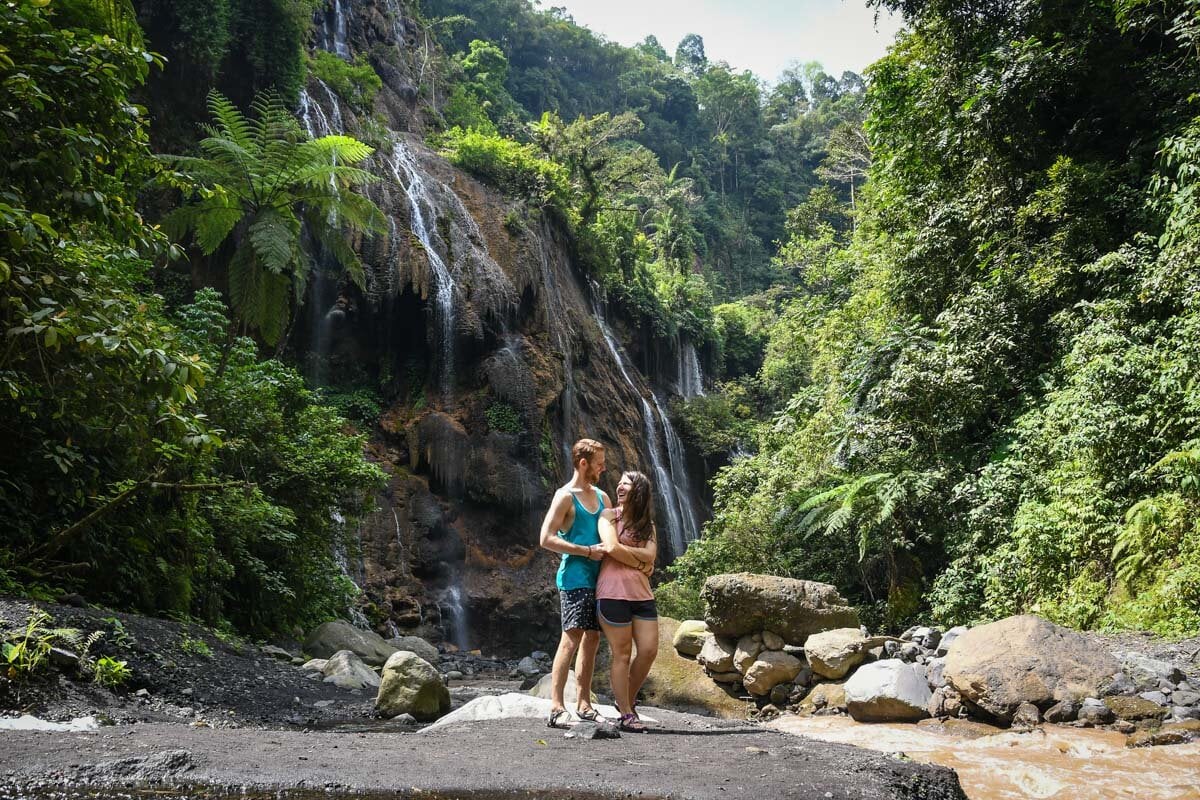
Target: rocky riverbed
x=203 y=716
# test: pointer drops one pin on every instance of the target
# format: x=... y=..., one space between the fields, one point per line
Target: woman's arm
x=640 y=558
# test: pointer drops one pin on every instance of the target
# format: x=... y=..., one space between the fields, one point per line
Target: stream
x=1050 y=763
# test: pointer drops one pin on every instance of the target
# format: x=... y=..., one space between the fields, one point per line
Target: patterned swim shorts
x=578 y=609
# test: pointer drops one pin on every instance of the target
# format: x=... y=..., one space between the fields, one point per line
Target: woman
x=624 y=602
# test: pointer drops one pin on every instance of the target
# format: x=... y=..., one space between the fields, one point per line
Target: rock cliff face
x=487 y=343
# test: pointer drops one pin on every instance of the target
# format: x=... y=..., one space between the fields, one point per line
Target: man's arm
x=553 y=523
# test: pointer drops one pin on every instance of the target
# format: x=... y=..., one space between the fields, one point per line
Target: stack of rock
x=797 y=645
x=754 y=629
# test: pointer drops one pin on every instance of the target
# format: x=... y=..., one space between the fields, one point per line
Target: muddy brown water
x=1050 y=763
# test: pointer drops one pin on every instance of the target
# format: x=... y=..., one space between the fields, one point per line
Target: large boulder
x=346 y=670
x=824 y=698
x=998 y=666
x=741 y=603
x=680 y=683
x=887 y=691
x=415 y=644
x=690 y=636
x=770 y=669
x=411 y=685
x=1148 y=673
x=834 y=653
x=330 y=637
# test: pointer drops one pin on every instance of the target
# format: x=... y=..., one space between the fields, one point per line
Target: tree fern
x=256 y=179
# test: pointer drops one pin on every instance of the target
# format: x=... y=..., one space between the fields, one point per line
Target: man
x=570 y=528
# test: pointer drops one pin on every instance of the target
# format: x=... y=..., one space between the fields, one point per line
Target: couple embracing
x=608 y=555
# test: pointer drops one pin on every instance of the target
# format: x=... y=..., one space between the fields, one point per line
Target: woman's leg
x=645 y=635
x=620 y=643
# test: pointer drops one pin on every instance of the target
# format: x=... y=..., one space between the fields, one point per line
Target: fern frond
x=231 y=122
x=274 y=235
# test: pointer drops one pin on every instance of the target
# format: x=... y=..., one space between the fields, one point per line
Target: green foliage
x=26 y=650
x=516 y=169
x=360 y=405
x=195 y=647
x=111 y=673
x=717 y=423
x=257 y=183
x=503 y=417
x=357 y=83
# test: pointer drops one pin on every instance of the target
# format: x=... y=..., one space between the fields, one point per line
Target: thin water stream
x=1050 y=763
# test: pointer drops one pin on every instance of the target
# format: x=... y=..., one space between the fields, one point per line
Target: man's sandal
x=588 y=714
x=631 y=724
x=555 y=716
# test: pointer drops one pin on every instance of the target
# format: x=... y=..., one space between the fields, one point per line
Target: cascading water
x=681 y=520
x=454 y=617
x=333 y=31
x=357 y=618
x=422 y=211
x=555 y=311
x=691 y=378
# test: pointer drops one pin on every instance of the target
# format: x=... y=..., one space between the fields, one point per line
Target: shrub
x=516 y=169
x=110 y=673
x=357 y=83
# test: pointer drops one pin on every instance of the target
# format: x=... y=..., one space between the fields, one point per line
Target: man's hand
x=647 y=568
x=596 y=552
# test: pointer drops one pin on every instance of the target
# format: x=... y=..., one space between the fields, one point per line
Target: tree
x=258 y=183
x=849 y=157
x=689 y=55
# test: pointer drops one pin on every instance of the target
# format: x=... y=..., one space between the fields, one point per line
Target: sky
x=760 y=35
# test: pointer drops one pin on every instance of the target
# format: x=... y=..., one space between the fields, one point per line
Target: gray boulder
x=935 y=673
x=1155 y=697
x=772 y=641
x=1064 y=711
x=770 y=669
x=998 y=666
x=346 y=670
x=948 y=639
x=545 y=685
x=690 y=637
x=415 y=644
x=717 y=654
x=411 y=685
x=887 y=691
x=529 y=668
x=1184 y=697
x=1094 y=712
x=330 y=637
x=1146 y=672
x=748 y=648
x=834 y=653
x=1026 y=716
x=276 y=652
x=742 y=603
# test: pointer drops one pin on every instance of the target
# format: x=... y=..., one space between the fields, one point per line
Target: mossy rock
x=1135 y=708
x=679 y=683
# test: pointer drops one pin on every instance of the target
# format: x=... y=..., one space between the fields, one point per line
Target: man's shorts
x=578 y=608
x=620 y=613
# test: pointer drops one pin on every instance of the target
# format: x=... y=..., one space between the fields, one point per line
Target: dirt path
x=685 y=757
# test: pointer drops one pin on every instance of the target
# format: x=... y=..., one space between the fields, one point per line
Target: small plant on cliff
x=110 y=673
x=356 y=82
x=503 y=417
x=195 y=647
x=26 y=650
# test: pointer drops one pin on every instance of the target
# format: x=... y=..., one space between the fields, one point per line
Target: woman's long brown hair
x=637 y=514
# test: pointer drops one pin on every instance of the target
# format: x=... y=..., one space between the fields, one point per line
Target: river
x=1050 y=763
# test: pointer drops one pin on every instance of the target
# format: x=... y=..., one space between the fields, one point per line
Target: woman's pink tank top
x=619 y=581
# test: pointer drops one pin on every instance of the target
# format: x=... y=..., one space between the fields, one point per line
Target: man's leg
x=567 y=646
x=585 y=666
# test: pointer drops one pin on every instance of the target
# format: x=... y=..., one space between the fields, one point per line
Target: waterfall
x=555 y=311
x=333 y=36
x=341 y=557
x=422 y=212
x=670 y=482
x=452 y=611
x=691 y=378
x=312 y=116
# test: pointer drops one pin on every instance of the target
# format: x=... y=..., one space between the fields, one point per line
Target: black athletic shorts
x=622 y=612
x=578 y=608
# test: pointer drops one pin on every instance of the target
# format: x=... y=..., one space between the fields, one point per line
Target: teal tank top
x=579 y=572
